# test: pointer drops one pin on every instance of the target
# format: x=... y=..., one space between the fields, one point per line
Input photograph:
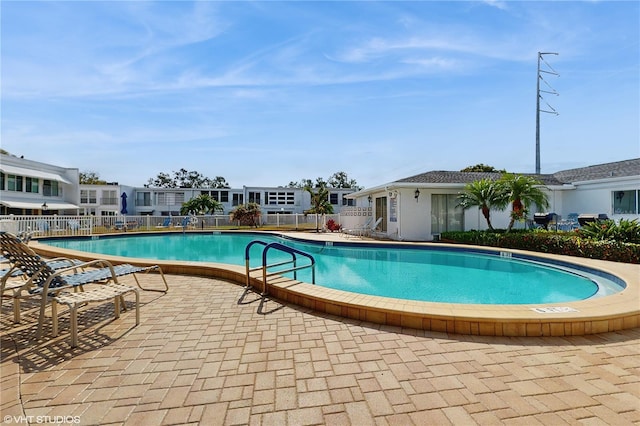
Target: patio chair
x=367 y=229
x=358 y=229
x=43 y=227
x=166 y=223
x=61 y=286
x=75 y=226
x=370 y=230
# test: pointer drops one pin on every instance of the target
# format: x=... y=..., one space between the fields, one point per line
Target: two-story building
x=34 y=188
x=29 y=187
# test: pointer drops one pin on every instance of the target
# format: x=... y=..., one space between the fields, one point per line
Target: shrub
x=570 y=244
x=332 y=225
x=627 y=231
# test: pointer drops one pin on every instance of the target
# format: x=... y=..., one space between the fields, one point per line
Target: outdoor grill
x=544 y=219
x=586 y=218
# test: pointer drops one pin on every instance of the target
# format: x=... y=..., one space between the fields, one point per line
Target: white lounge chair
x=364 y=230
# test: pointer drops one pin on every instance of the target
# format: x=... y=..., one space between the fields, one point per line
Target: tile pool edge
x=610 y=313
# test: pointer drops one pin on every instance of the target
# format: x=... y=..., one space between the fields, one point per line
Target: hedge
x=550 y=242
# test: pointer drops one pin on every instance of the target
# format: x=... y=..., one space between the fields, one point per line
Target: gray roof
x=441 y=176
x=601 y=171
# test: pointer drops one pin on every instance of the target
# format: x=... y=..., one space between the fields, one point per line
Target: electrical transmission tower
x=550 y=90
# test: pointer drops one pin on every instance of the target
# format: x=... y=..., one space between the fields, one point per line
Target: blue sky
x=268 y=92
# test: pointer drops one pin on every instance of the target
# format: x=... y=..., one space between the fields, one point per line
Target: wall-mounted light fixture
x=416 y=194
x=369 y=199
x=45 y=207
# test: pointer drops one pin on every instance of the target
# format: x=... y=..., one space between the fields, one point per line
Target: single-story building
x=420 y=207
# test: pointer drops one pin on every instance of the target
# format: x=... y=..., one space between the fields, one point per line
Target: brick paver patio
x=206 y=353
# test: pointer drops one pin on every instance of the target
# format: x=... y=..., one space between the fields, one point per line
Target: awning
x=20 y=171
x=14 y=204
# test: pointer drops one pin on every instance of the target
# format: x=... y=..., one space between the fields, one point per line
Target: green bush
x=626 y=231
x=565 y=243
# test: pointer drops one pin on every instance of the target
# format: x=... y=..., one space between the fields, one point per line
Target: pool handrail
x=265 y=266
x=246 y=259
x=295 y=268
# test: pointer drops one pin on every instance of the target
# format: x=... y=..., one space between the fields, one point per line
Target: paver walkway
x=202 y=354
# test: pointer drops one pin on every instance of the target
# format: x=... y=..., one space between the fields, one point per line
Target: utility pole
x=551 y=91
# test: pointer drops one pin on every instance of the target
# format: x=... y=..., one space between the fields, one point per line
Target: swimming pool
x=428 y=273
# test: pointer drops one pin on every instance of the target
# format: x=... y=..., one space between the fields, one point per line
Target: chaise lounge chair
x=61 y=286
x=358 y=229
x=166 y=223
x=366 y=229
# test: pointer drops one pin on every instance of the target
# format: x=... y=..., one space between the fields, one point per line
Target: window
x=143 y=199
x=170 y=198
x=163 y=199
x=14 y=183
x=2 y=179
x=50 y=188
x=333 y=198
x=254 y=197
x=445 y=215
x=625 y=202
x=33 y=185
x=224 y=196
x=280 y=198
x=348 y=201
x=237 y=199
x=109 y=197
x=88 y=196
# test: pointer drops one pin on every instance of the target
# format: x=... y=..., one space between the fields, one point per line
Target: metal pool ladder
x=280 y=247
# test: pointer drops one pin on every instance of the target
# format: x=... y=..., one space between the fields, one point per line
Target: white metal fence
x=51 y=225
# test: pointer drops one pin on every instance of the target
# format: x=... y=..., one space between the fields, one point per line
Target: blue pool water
x=427 y=274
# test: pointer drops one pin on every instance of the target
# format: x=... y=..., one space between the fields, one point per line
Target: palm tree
x=523 y=192
x=320 y=204
x=201 y=204
x=485 y=194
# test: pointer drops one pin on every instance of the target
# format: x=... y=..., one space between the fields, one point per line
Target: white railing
x=52 y=225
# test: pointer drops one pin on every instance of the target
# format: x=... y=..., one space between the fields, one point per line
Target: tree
x=522 y=192
x=486 y=194
x=341 y=180
x=247 y=214
x=163 y=180
x=202 y=204
x=91 y=178
x=186 y=179
x=319 y=202
x=336 y=180
x=219 y=182
x=190 y=179
x=482 y=168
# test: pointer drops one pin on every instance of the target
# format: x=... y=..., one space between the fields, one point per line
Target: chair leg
x=54 y=317
x=116 y=303
x=41 y=318
x=137 y=293
x=73 y=309
x=16 y=310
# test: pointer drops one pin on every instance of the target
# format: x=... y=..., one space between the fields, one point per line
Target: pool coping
x=591 y=316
